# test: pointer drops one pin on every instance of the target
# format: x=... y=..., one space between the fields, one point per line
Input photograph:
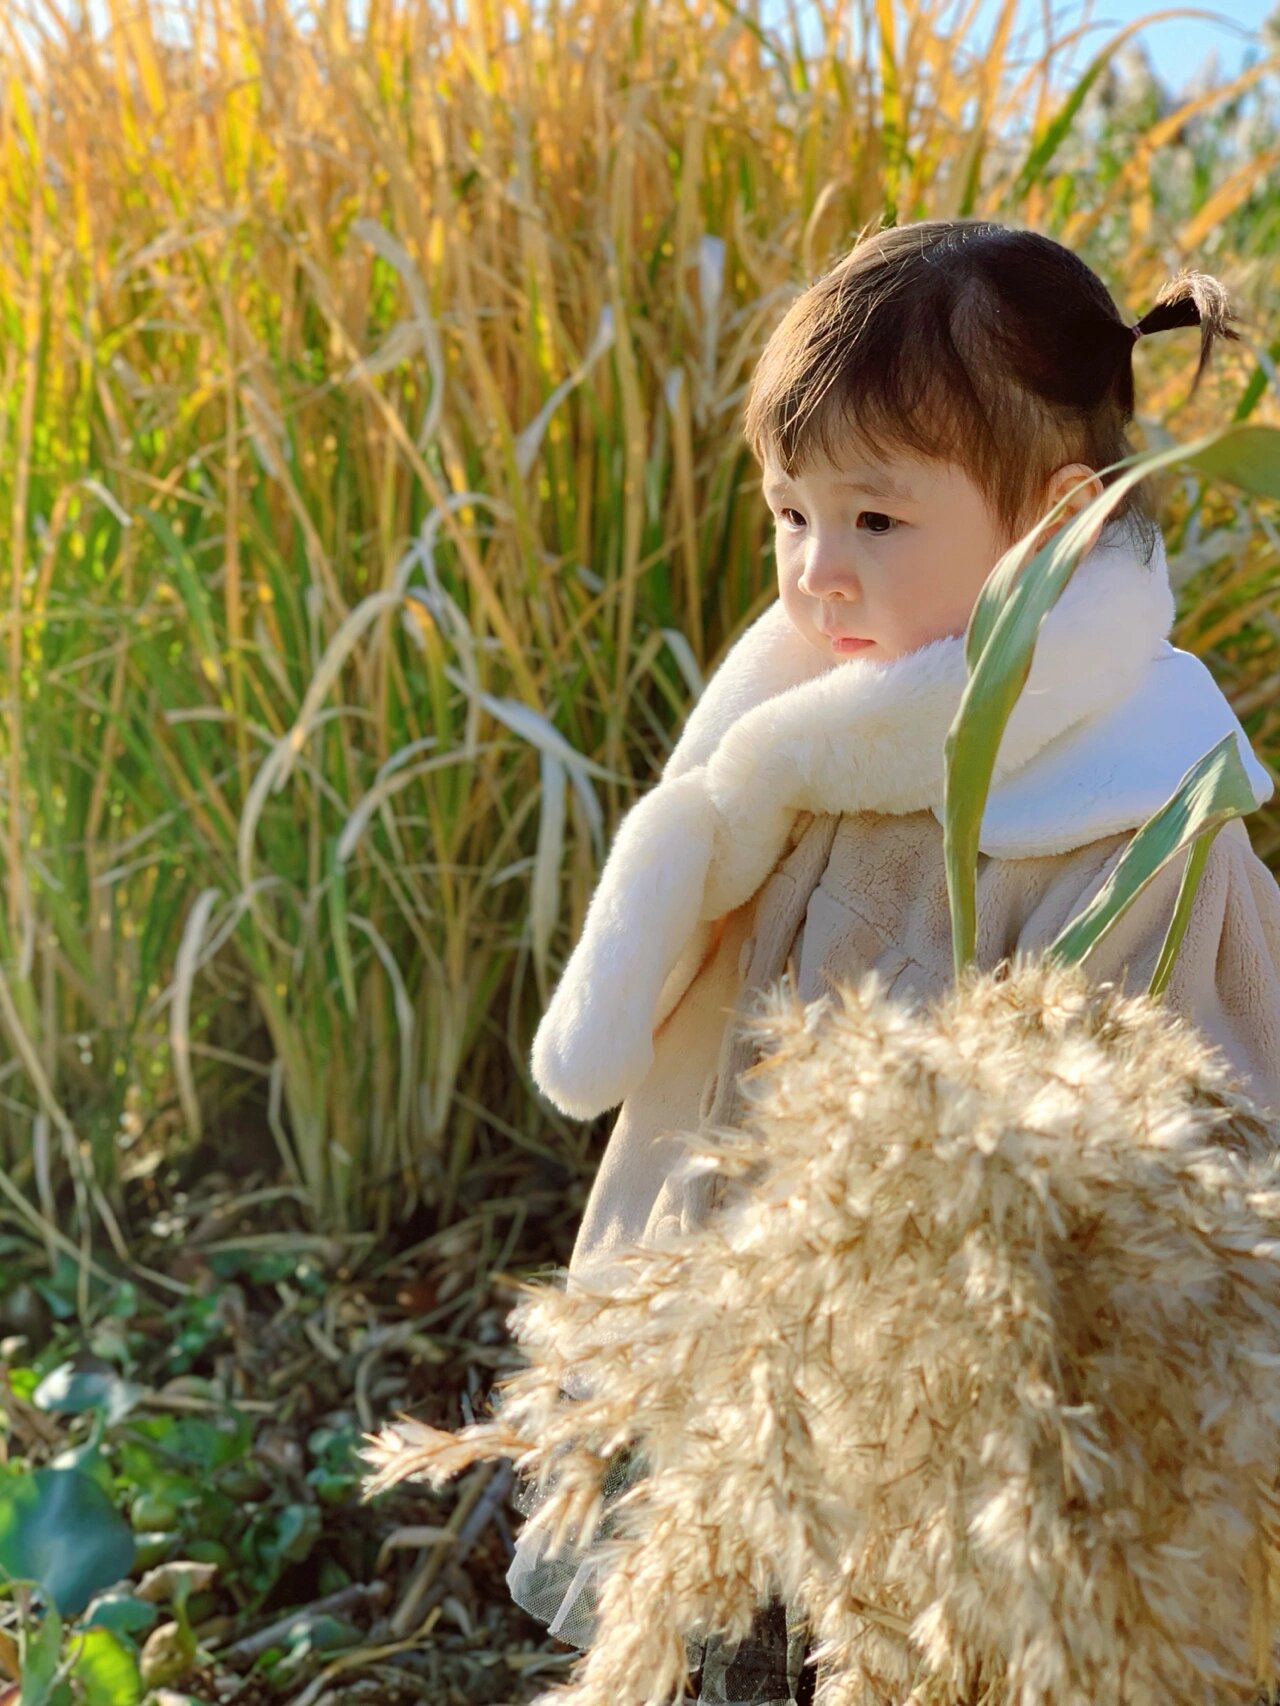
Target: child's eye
x=868 y=515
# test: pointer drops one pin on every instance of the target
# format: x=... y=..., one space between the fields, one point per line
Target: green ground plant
x=161 y=1495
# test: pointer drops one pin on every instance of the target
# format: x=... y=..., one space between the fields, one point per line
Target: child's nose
x=829 y=575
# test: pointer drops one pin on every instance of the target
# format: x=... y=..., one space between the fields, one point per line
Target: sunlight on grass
x=378 y=505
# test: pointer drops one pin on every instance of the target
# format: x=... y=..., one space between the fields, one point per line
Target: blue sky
x=1177 y=46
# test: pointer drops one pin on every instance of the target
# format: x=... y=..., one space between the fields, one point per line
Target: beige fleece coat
x=863 y=890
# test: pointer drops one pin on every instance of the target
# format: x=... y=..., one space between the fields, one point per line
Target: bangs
x=870 y=403
x=907 y=348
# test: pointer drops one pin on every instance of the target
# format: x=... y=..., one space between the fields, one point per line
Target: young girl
x=917 y=410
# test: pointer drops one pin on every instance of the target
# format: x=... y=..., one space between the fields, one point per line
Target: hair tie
x=1136 y=329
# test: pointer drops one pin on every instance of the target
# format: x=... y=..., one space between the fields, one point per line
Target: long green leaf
x=1214 y=789
x=1247 y=456
x=1194 y=869
x=1046 y=144
x=1005 y=622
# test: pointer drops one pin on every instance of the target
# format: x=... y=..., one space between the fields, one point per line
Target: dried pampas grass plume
x=977 y=1363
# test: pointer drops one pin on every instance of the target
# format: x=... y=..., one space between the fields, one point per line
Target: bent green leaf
x=1005 y=623
x=1214 y=789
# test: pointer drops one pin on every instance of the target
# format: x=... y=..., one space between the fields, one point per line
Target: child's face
x=896 y=571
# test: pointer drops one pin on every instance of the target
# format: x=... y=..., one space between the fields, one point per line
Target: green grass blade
x=1182 y=910
x=1214 y=789
x=1263 y=374
x=1247 y=456
x=997 y=675
x=1005 y=622
x=1045 y=145
x=336 y=887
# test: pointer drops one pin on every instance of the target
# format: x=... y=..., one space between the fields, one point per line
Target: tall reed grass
x=377 y=505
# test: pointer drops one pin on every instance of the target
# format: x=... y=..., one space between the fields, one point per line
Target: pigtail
x=1192 y=299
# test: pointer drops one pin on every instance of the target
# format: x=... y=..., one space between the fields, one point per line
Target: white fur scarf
x=1110 y=719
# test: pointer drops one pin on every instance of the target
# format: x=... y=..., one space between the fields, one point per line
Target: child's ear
x=1063 y=481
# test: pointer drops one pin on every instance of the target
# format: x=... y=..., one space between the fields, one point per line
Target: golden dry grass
x=377 y=506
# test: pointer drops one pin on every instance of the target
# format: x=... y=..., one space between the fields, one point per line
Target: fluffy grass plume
x=977 y=1362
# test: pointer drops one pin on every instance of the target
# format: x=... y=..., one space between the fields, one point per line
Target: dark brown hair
x=964 y=341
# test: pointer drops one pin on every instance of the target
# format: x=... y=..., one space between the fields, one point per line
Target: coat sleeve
x=1226 y=976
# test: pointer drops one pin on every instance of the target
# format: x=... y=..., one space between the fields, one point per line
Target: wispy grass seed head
x=976 y=1363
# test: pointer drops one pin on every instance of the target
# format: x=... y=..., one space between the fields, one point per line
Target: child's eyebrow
x=873 y=483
